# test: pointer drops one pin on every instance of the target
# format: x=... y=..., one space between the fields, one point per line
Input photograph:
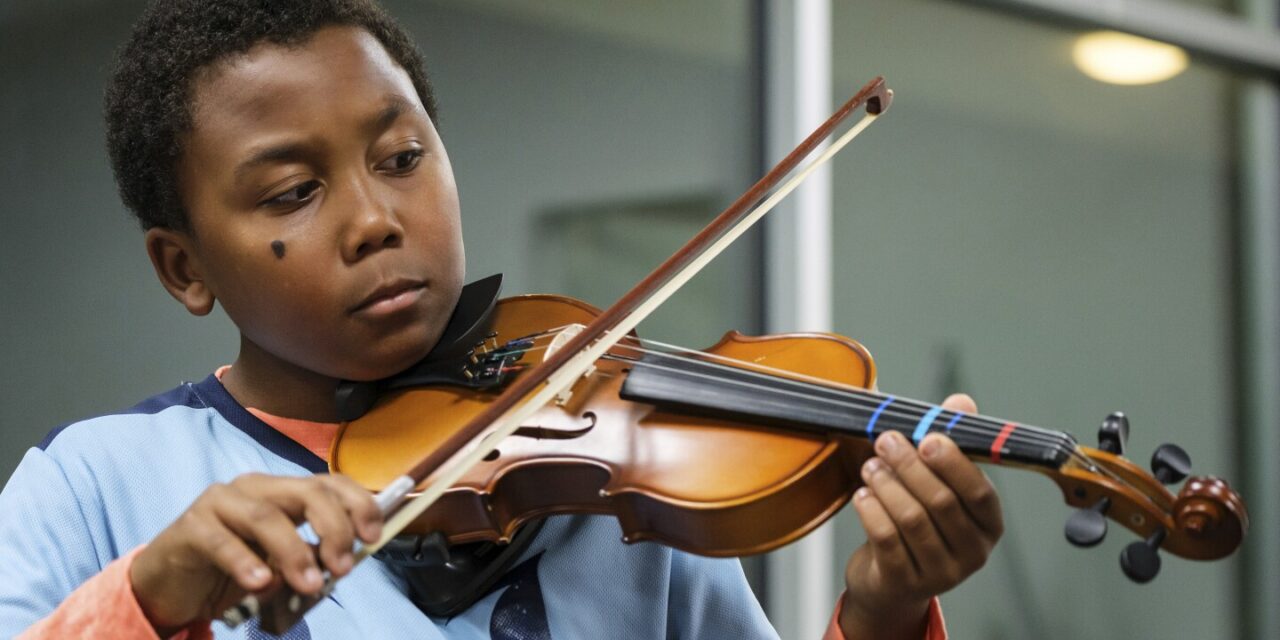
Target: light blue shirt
x=96 y=489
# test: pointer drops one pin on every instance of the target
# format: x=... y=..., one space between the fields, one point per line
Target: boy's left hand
x=931 y=517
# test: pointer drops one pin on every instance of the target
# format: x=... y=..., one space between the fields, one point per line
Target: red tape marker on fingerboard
x=1000 y=440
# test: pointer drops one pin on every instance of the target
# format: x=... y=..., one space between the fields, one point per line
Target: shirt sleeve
x=46 y=548
x=105 y=607
x=936 y=630
x=52 y=579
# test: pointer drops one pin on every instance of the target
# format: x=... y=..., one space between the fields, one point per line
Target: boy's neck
x=264 y=382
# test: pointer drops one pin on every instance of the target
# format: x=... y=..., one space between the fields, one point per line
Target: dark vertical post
x=1257 y=383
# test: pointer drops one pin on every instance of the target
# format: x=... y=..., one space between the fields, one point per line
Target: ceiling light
x=1119 y=58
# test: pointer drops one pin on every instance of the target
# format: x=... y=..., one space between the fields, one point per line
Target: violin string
x=1097 y=467
x=907 y=420
x=1071 y=449
x=1056 y=440
x=803 y=381
x=549 y=333
x=788 y=376
x=968 y=426
x=1064 y=445
x=972 y=425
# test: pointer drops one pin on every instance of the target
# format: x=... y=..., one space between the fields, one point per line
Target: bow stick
x=557 y=373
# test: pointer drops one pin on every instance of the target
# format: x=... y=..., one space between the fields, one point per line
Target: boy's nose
x=373 y=227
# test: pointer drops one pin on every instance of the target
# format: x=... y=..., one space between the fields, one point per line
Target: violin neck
x=710 y=389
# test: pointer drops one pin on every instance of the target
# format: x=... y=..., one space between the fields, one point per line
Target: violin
x=732 y=450
x=542 y=404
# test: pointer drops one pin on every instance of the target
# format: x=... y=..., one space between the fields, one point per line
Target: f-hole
x=547 y=433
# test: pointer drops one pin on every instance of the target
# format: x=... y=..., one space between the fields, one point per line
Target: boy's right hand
x=213 y=554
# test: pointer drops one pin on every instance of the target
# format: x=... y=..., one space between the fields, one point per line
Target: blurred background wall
x=1058 y=247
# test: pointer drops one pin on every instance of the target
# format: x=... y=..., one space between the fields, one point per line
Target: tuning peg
x=1141 y=560
x=1087 y=527
x=1170 y=463
x=1113 y=433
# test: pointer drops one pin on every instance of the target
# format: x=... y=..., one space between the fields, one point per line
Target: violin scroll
x=1208 y=511
x=1206 y=520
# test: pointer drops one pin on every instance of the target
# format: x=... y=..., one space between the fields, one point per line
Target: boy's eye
x=296 y=195
x=403 y=162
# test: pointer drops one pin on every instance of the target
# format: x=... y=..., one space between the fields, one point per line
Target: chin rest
x=448 y=363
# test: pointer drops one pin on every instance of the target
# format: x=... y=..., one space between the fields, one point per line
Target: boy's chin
x=389 y=364
x=389 y=354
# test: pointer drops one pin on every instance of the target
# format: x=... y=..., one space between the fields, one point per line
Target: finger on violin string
x=969 y=483
x=919 y=534
x=941 y=503
x=882 y=534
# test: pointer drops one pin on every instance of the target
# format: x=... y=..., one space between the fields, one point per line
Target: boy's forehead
x=272 y=86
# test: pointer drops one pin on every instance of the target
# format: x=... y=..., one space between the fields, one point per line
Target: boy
x=283 y=159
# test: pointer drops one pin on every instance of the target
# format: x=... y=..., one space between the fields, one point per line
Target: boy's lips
x=391 y=297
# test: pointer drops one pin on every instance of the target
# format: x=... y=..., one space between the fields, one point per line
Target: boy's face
x=322 y=205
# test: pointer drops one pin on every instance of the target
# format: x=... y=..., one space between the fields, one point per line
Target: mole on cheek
x=277 y=248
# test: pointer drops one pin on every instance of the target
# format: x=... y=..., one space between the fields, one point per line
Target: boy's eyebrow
x=396 y=106
x=279 y=153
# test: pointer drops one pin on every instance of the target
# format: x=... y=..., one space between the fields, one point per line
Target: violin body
x=710 y=486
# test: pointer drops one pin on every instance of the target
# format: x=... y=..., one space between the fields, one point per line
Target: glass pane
x=1059 y=248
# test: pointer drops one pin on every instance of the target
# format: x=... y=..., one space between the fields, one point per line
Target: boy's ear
x=178 y=266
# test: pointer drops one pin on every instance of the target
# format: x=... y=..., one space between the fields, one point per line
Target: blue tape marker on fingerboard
x=951 y=425
x=922 y=427
x=871 y=426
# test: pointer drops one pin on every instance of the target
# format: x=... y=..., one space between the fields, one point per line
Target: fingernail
x=861 y=493
x=888 y=444
x=871 y=467
x=344 y=563
x=259 y=575
x=312 y=576
x=929 y=448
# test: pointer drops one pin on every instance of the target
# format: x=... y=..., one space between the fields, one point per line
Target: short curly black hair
x=148 y=99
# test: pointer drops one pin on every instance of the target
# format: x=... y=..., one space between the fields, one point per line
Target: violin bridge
x=566 y=334
x=562 y=338
x=563 y=398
